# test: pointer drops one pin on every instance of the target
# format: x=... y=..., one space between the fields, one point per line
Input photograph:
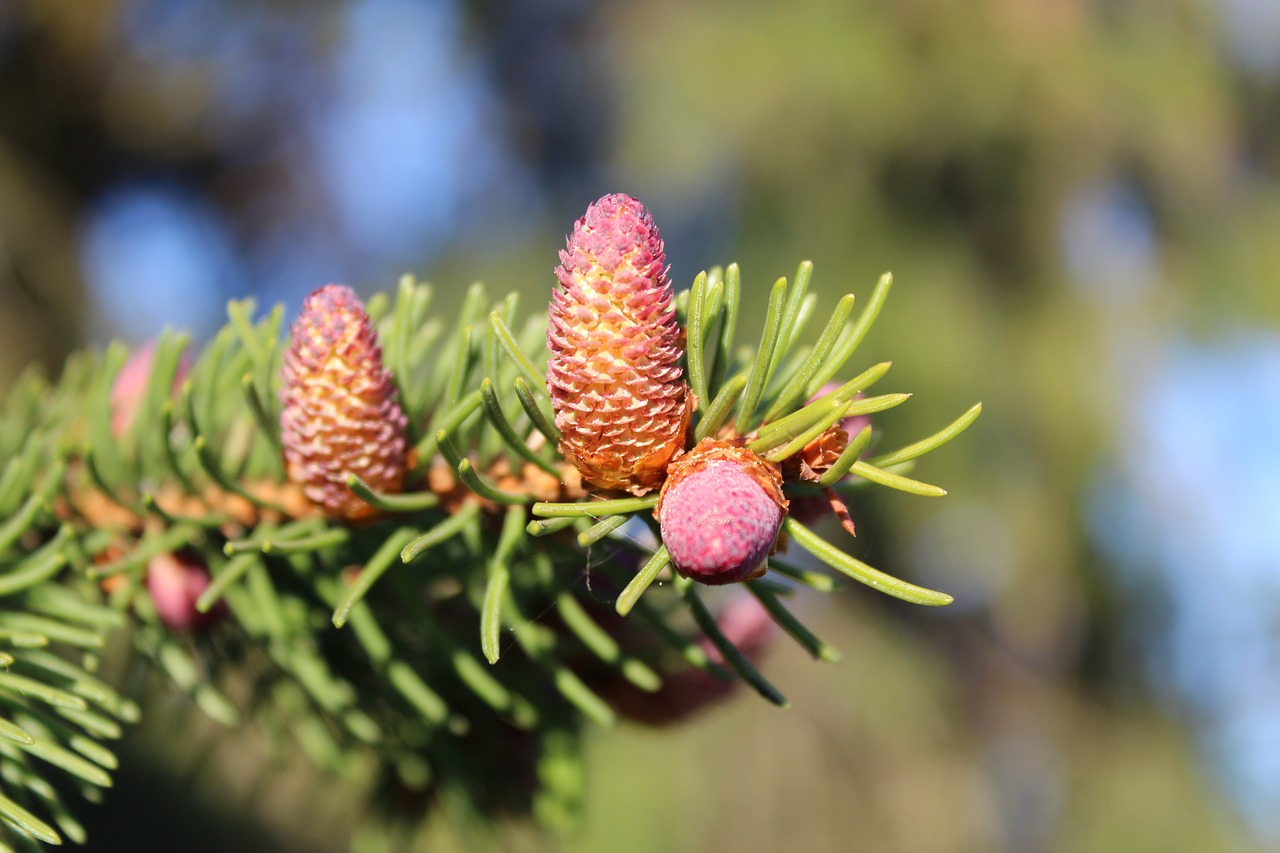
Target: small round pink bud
x=720 y=511
x=175 y=584
x=851 y=425
x=745 y=623
x=131 y=386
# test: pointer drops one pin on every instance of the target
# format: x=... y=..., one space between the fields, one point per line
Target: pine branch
x=355 y=517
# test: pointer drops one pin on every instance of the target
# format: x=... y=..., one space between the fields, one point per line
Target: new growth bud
x=720 y=511
x=131 y=386
x=745 y=623
x=614 y=375
x=340 y=411
x=815 y=459
x=175 y=583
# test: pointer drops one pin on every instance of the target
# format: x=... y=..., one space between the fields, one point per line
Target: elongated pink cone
x=340 y=411
x=720 y=511
x=614 y=376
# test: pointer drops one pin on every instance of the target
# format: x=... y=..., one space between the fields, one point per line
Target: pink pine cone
x=720 y=512
x=614 y=376
x=340 y=411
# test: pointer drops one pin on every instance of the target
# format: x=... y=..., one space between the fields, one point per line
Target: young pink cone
x=175 y=583
x=745 y=623
x=616 y=385
x=131 y=385
x=340 y=412
x=720 y=511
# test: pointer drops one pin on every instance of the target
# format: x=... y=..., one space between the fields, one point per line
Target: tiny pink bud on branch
x=175 y=583
x=131 y=386
x=745 y=623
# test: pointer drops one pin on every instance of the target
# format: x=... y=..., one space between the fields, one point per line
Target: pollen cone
x=614 y=375
x=340 y=411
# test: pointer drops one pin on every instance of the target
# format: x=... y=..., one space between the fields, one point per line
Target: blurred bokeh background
x=1080 y=201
